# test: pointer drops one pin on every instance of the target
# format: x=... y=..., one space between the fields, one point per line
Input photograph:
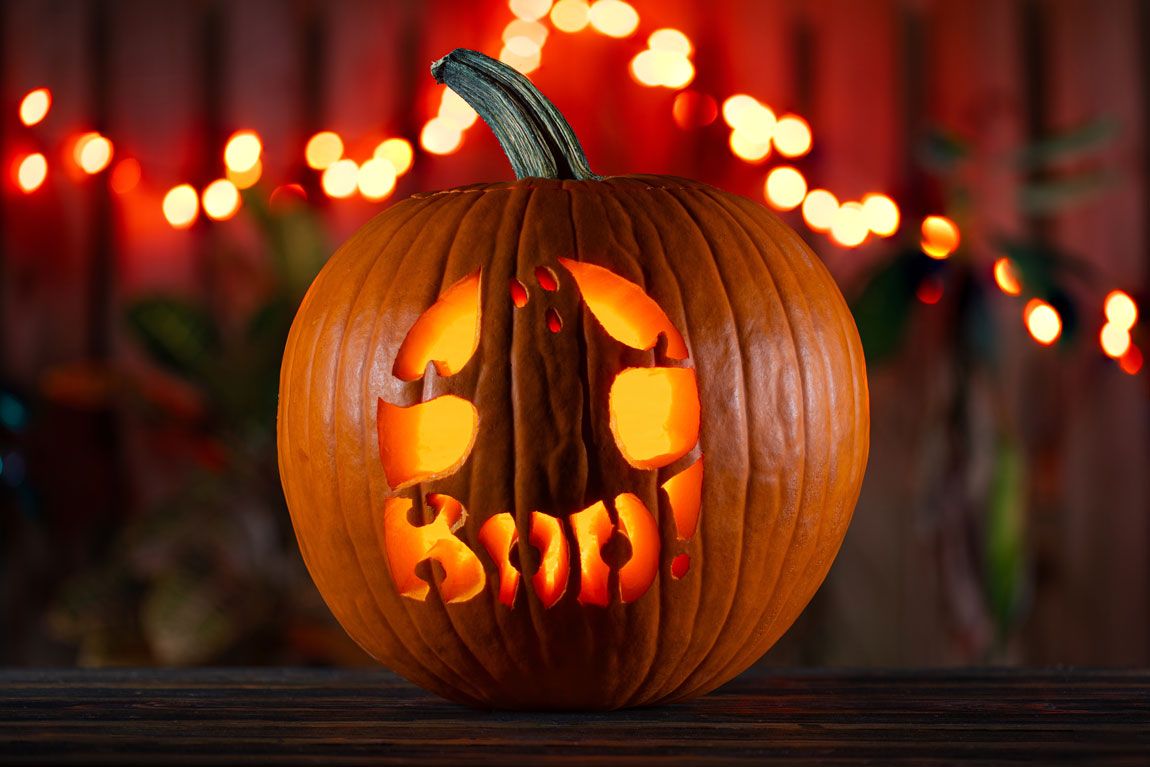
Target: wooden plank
x=293 y=716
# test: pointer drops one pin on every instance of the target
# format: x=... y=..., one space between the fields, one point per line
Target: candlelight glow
x=35 y=105
x=785 y=188
x=881 y=214
x=181 y=206
x=1114 y=339
x=92 y=152
x=31 y=172
x=819 y=209
x=440 y=137
x=530 y=10
x=246 y=179
x=376 y=179
x=340 y=179
x=1006 y=277
x=398 y=152
x=571 y=16
x=242 y=151
x=849 y=227
x=323 y=149
x=125 y=176
x=613 y=18
x=939 y=237
x=220 y=200
x=792 y=136
x=1120 y=309
x=1043 y=321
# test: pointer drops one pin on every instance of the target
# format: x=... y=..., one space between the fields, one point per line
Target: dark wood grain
x=296 y=716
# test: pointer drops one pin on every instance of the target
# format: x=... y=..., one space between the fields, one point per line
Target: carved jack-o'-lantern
x=570 y=442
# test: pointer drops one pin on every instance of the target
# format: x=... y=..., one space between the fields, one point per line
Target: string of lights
x=757 y=133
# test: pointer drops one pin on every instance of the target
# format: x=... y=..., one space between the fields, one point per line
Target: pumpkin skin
x=783 y=434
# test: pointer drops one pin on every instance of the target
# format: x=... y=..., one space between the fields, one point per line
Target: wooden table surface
x=304 y=716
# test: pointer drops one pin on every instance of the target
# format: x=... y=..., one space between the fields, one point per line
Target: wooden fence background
x=169 y=81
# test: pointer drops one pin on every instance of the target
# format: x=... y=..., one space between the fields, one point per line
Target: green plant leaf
x=1043 y=197
x=178 y=334
x=883 y=307
x=1067 y=145
x=1005 y=530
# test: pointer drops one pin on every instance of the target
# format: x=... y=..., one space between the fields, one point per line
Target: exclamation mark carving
x=685 y=492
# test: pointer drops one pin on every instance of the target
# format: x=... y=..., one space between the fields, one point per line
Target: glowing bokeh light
x=523 y=64
x=530 y=10
x=939 y=237
x=749 y=147
x=31 y=171
x=522 y=46
x=1114 y=340
x=819 y=209
x=242 y=151
x=246 y=179
x=181 y=206
x=571 y=16
x=670 y=40
x=35 y=105
x=1131 y=361
x=849 y=227
x=692 y=109
x=881 y=214
x=785 y=188
x=736 y=107
x=929 y=291
x=1006 y=277
x=323 y=149
x=340 y=179
x=92 y=152
x=792 y=136
x=220 y=200
x=376 y=179
x=614 y=18
x=287 y=195
x=440 y=137
x=457 y=112
x=125 y=176
x=1042 y=321
x=1120 y=309
x=398 y=152
x=662 y=68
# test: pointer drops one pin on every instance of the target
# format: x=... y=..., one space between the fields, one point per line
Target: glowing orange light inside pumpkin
x=31 y=171
x=1131 y=361
x=1114 y=339
x=498 y=535
x=550 y=580
x=654 y=414
x=398 y=152
x=593 y=528
x=939 y=237
x=242 y=151
x=518 y=293
x=637 y=523
x=680 y=565
x=685 y=492
x=624 y=310
x=613 y=18
x=125 y=176
x=1120 y=309
x=340 y=179
x=1006 y=277
x=446 y=335
x=407 y=545
x=570 y=16
x=323 y=150
x=792 y=136
x=92 y=152
x=181 y=206
x=785 y=188
x=35 y=105
x=881 y=214
x=426 y=440
x=819 y=209
x=1042 y=321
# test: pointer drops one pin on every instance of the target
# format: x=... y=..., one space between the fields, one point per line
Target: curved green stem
x=532 y=132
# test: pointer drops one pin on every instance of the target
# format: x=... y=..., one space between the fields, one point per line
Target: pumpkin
x=569 y=442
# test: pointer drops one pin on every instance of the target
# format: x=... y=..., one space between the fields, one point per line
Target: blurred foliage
x=967 y=343
x=209 y=572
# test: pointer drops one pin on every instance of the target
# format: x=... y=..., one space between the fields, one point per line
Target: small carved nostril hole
x=519 y=294
x=554 y=321
x=546 y=278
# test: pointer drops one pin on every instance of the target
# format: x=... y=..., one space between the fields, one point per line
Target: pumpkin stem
x=534 y=136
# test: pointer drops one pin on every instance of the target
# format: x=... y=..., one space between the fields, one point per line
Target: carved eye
x=447 y=334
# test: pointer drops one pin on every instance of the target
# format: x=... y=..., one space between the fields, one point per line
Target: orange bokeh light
x=1042 y=321
x=398 y=152
x=1120 y=309
x=246 y=179
x=92 y=152
x=1131 y=361
x=440 y=137
x=31 y=172
x=939 y=237
x=785 y=188
x=792 y=136
x=340 y=179
x=570 y=16
x=1006 y=277
x=323 y=150
x=220 y=200
x=881 y=214
x=849 y=227
x=181 y=206
x=376 y=179
x=530 y=10
x=125 y=176
x=614 y=18
x=819 y=209
x=692 y=109
x=35 y=105
x=242 y=151
x=1114 y=340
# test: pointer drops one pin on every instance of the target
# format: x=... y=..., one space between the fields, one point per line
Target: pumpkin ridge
x=749 y=626
x=706 y=646
x=371 y=349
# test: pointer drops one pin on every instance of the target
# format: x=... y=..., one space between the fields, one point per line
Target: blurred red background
x=140 y=516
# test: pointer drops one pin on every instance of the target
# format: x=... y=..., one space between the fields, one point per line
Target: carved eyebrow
x=624 y=309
